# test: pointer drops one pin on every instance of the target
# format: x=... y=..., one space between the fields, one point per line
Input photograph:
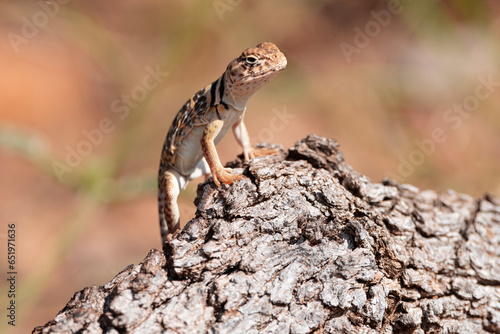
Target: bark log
x=305 y=244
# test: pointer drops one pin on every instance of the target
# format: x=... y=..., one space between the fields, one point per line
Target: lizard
x=189 y=148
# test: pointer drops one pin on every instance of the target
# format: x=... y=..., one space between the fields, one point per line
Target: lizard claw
x=170 y=236
x=223 y=175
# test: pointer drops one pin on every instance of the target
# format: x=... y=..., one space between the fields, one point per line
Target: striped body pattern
x=193 y=113
x=189 y=148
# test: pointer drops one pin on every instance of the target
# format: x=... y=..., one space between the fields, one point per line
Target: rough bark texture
x=305 y=244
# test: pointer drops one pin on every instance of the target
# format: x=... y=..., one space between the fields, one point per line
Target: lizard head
x=254 y=68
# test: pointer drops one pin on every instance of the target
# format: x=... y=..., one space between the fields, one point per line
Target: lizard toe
x=225 y=176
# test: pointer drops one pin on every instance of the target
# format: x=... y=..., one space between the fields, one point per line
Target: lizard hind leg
x=170 y=185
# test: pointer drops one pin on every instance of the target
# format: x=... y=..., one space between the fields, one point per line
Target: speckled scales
x=193 y=113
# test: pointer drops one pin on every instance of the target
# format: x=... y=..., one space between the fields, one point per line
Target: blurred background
x=410 y=89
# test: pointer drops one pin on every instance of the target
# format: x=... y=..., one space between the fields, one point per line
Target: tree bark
x=305 y=244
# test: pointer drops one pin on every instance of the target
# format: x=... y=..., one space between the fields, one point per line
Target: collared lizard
x=189 y=149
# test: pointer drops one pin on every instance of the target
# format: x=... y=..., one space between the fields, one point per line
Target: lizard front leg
x=219 y=173
x=241 y=135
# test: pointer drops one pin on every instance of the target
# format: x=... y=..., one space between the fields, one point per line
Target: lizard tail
x=161 y=209
x=168 y=190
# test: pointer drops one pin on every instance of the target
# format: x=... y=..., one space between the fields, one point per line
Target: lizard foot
x=223 y=175
x=170 y=236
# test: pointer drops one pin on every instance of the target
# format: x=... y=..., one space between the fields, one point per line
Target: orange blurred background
x=410 y=89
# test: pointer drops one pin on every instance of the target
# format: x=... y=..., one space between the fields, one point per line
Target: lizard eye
x=251 y=60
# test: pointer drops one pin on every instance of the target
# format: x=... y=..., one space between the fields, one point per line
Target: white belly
x=189 y=153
